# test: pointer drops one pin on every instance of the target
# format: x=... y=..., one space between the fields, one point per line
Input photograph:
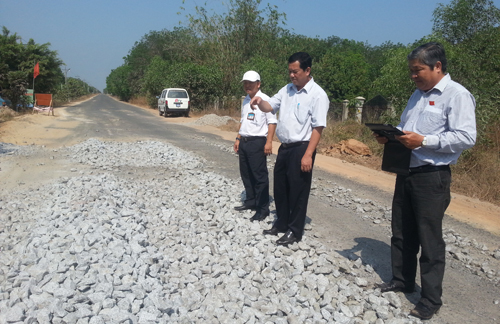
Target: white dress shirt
x=299 y=111
x=445 y=115
x=255 y=122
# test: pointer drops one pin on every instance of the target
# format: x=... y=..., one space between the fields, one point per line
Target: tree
x=236 y=36
x=117 y=82
x=273 y=75
x=179 y=45
x=201 y=81
x=343 y=75
x=17 y=61
x=462 y=19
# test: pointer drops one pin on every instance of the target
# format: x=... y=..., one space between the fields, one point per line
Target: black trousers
x=418 y=207
x=253 y=171
x=291 y=189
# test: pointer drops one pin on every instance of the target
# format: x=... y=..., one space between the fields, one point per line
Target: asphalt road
x=468 y=298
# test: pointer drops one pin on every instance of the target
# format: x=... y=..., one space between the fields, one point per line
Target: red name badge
x=431 y=103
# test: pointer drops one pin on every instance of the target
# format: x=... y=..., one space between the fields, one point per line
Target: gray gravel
x=214 y=120
x=114 y=245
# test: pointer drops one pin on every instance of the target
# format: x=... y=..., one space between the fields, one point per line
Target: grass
x=7 y=114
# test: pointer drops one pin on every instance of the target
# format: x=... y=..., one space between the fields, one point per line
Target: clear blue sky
x=93 y=36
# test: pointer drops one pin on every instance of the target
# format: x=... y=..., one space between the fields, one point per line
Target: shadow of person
x=376 y=254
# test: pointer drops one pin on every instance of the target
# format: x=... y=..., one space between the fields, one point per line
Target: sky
x=91 y=37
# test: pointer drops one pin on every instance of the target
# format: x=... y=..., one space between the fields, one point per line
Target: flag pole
x=34 y=62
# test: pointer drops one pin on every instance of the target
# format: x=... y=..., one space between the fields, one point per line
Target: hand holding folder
x=396 y=158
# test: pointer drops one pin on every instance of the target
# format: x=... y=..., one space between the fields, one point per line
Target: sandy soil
x=53 y=131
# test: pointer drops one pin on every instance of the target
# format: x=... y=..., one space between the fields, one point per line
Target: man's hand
x=306 y=163
x=380 y=139
x=236 y=146
x=268 y=148
x=255 y=102
x=411 y=140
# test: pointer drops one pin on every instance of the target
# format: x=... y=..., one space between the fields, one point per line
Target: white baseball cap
x=251 y=76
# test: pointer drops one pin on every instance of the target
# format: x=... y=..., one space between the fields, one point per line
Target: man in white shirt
x=253 y=144
x=439 y=123
x=303 y=107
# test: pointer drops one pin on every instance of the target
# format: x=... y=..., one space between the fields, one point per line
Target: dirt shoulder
x=53 y=132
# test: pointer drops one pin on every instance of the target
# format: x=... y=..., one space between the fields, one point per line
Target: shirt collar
x=258 y=94
x=441 y=85
x=306 y=88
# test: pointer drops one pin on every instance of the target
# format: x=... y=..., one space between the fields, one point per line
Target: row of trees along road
x=17 y=62
x=209 y=56
x=211 y=52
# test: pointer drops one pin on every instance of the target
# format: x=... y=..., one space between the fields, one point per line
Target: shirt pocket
x=302 y=113
x=431 y=121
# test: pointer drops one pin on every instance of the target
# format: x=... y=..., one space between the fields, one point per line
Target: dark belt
x=288 y=145
x=251 y=138
x=429 y=168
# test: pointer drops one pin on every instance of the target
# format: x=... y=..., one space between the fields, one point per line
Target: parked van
x=173 y=100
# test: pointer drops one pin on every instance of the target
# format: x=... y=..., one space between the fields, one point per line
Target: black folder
x=396 y=158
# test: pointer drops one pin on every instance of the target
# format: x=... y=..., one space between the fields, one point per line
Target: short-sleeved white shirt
x=254 y=122
x=299 y=111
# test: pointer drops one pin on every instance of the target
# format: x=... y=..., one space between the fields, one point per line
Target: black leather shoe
x=259 y=216
x=243 y=207
x=425 y=309
x=272 y=231
x=395 y=286
x=288 y=238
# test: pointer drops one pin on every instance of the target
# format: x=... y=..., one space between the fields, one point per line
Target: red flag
x=37 y=71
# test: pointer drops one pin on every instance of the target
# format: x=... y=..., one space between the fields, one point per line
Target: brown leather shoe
x=395 y=286
x=425 y=309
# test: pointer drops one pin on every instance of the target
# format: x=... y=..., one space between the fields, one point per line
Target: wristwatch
x=237 y=138
x=424 y=142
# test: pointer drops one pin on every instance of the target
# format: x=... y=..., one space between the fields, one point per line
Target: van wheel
x=161 y=114
x=186 y=114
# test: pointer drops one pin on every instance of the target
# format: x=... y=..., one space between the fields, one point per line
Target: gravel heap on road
x=112 y=247
x=213 y=120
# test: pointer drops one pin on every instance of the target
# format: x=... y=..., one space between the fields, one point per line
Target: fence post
x=359 y=108
x=345 y=110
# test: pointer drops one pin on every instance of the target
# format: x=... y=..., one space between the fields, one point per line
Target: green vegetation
x=17 y=62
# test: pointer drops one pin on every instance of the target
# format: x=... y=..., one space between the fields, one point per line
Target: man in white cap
x=253 y=144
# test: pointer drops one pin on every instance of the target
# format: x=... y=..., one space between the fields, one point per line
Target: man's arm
x=268 y=148
x=261 y=103
x=236 y=145
x=306 y=162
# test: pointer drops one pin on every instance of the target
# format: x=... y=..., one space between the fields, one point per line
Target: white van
x=173 y=100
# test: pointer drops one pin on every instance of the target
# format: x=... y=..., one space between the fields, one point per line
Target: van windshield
x=177 y=94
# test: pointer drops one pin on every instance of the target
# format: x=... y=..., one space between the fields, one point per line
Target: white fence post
x=359 y=108
x=345 y=110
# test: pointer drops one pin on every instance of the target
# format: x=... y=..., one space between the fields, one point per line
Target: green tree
x=179 y=45
x=117 y=83
x=201 y=81
x=343 y=75
x=273 y=75
x=462 y=19
x=236 y=36
x=17 y=62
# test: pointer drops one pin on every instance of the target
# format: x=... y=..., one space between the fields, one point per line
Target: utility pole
x=66 y=74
